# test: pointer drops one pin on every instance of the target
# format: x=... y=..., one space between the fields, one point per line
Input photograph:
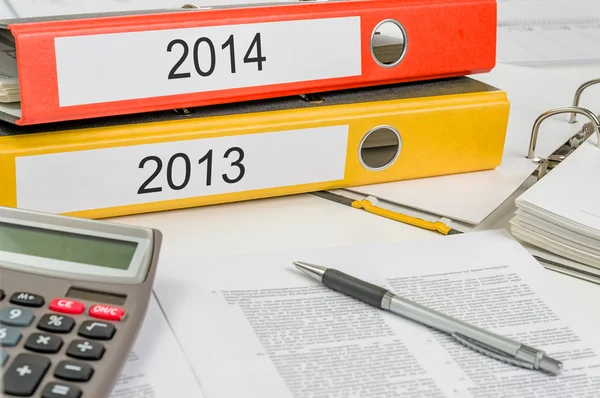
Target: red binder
x=85 y=67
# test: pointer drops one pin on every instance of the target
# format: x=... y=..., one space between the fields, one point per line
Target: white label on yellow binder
x=101 y=178
x=133 y=65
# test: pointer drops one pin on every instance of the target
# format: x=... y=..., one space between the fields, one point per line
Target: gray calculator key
x=25 y=374
x=59 y=390
x=14 y=316
x=3 y=357
x=9 y=337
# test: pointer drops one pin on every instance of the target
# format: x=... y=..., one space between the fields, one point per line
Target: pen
x=481 y=341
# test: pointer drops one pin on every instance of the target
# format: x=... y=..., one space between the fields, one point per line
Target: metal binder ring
x=578 y=95
x=189 y=6
x=567 y=109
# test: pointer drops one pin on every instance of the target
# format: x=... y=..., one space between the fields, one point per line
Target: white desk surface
x=306 y=221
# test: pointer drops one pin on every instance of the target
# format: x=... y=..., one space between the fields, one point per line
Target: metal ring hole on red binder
x=388 y=43
x=379 y=148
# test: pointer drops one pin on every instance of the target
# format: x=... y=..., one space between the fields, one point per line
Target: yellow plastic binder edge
x=440 y=135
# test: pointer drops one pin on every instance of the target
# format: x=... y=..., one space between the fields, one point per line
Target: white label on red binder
x=134 y=65
x=119 y=176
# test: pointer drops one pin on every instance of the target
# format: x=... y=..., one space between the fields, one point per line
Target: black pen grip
x=351 y=286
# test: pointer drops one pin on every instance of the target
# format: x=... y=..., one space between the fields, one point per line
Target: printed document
x=157 y=367
x=261 y=328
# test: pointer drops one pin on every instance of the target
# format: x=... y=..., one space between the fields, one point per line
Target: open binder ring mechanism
x=578 y=95
x=586 y=131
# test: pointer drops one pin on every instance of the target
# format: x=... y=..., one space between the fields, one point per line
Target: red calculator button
x=67 y=306
x=107 y=312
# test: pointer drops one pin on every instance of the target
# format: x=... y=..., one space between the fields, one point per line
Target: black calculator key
x=59 y=390
x=2 y=295
x=3 y=357
x=27 y=299
x=24 y=375
x=13 y=316
x=85 y=349
x=56 y=323
x=9 y=337
x=97 y=330
x=43 y=343
x=73 y=371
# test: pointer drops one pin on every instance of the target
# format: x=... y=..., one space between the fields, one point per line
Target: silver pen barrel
x=487 y=342
x=445 y=323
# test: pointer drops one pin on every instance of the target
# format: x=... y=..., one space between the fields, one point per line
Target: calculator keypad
x=25 y=374
x=85 y=349
x=97 y=330
x=73 y=371
x=106 y=312
x=44 y=343
x=59 y=390
x=55 y=323
x=55 y=332
x=67 y=306
x=27 y=299
x=9 y=337
x=13 y=316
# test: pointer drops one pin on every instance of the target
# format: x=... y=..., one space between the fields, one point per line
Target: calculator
x=73 y=296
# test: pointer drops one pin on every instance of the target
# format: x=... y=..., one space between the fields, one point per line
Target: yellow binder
x=201 y=156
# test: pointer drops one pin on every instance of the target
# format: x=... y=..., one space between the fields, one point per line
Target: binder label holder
x=204 y=59
x=165 y=171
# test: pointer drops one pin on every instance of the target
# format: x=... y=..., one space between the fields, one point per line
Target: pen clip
x=490 y=352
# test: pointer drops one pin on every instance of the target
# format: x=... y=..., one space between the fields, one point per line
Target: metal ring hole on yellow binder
x=388 y=43
x=379 y=148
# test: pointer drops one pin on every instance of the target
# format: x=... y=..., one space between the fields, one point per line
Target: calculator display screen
x=66 y=246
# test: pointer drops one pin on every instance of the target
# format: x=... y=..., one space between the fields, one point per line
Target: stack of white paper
x=560 y=213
